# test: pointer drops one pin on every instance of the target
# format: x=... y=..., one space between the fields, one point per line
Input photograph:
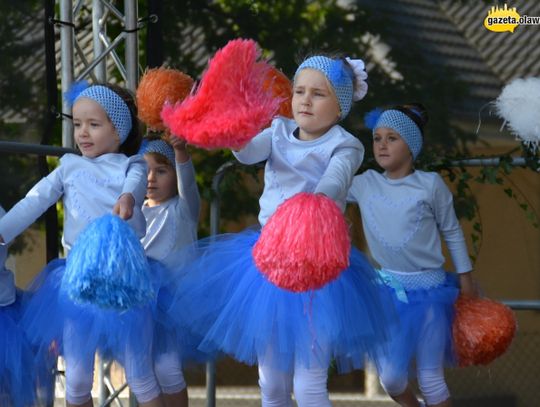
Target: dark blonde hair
x=160 y=158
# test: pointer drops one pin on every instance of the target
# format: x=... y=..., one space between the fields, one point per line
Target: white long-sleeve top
x=172 y=225
x=324 y=165
x=404 y=218
x=90 y=188
x=7 y=282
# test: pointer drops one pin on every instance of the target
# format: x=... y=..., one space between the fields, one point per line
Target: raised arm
x=257 y=150
x=7 y=280
x=188 y=192
x=44 y=194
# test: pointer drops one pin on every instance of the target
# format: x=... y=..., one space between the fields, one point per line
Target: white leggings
x=80 y=375
x=430 y=381
x=169 y=373
x=309 y=386
x=429 y=370
x=80 y=368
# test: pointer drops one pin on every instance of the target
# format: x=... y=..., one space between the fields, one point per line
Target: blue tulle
x=337 y=73
x=169 y=338
x=17 y=370
x=224 y=298
x=371 y=118
x=107 y=267
x=56 y=325
x=427 y=312
x=74 y=90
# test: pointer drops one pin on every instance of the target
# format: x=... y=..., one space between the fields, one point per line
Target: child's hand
x=179 y=146
x=467 y=285
x=177 y=143
x=124 y=206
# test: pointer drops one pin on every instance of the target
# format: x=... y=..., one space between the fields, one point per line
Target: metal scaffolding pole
x=98 y=26
x=84 y=64
x=132 y=45
x=66 y=56
x=76 y=58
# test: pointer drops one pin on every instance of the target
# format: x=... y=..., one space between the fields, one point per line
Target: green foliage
x=287 y=31
x=22 y=95
x=497 y=173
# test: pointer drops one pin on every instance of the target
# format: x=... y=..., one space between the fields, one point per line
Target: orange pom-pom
x=305 y=244
x=157 y=87
x=281 y=88
x=483 y=330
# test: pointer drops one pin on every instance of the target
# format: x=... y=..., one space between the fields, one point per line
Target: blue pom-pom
x=107 y=267
x=371 y=117
x=75 y=90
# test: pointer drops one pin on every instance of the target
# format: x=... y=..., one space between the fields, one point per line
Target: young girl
x=291 y=335
x=171 y=210
x=109 y=177
x=404 y=211
x=17 y=373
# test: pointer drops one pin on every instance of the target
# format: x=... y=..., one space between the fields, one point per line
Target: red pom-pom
x=157 y=87
x=230 y=106
x=305 y=244
x=281 y=88
x=483 y=329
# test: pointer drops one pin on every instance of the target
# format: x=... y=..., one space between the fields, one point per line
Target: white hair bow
x=360 y=76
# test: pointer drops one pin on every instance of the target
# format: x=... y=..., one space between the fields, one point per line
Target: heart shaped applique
x=394 y=222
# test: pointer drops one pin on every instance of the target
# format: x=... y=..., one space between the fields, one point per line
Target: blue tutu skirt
x=224 y=298
x=169 y=337
x=17 y=370
x=56 y=325
x=425 y=320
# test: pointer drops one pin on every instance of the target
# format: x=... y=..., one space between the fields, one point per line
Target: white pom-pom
x=519 y=106
x=360 y=75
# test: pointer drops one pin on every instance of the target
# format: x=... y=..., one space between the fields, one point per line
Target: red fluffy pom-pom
x=231 y=105
x=157 y=87
x=305 y=244
x=483 y=330
x=281 y=88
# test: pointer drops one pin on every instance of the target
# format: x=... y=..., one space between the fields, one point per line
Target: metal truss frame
x=72 y=55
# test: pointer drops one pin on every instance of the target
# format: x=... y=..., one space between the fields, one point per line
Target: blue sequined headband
x=159 y=147
x=339 y=77
x=116 y=108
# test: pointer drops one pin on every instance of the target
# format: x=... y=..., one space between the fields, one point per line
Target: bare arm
x=467 y=285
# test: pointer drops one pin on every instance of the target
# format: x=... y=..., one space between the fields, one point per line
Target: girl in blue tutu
x=17 y=371
x=108 y=178
x=171 y=210
x=404 y=211
x=292 y=336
